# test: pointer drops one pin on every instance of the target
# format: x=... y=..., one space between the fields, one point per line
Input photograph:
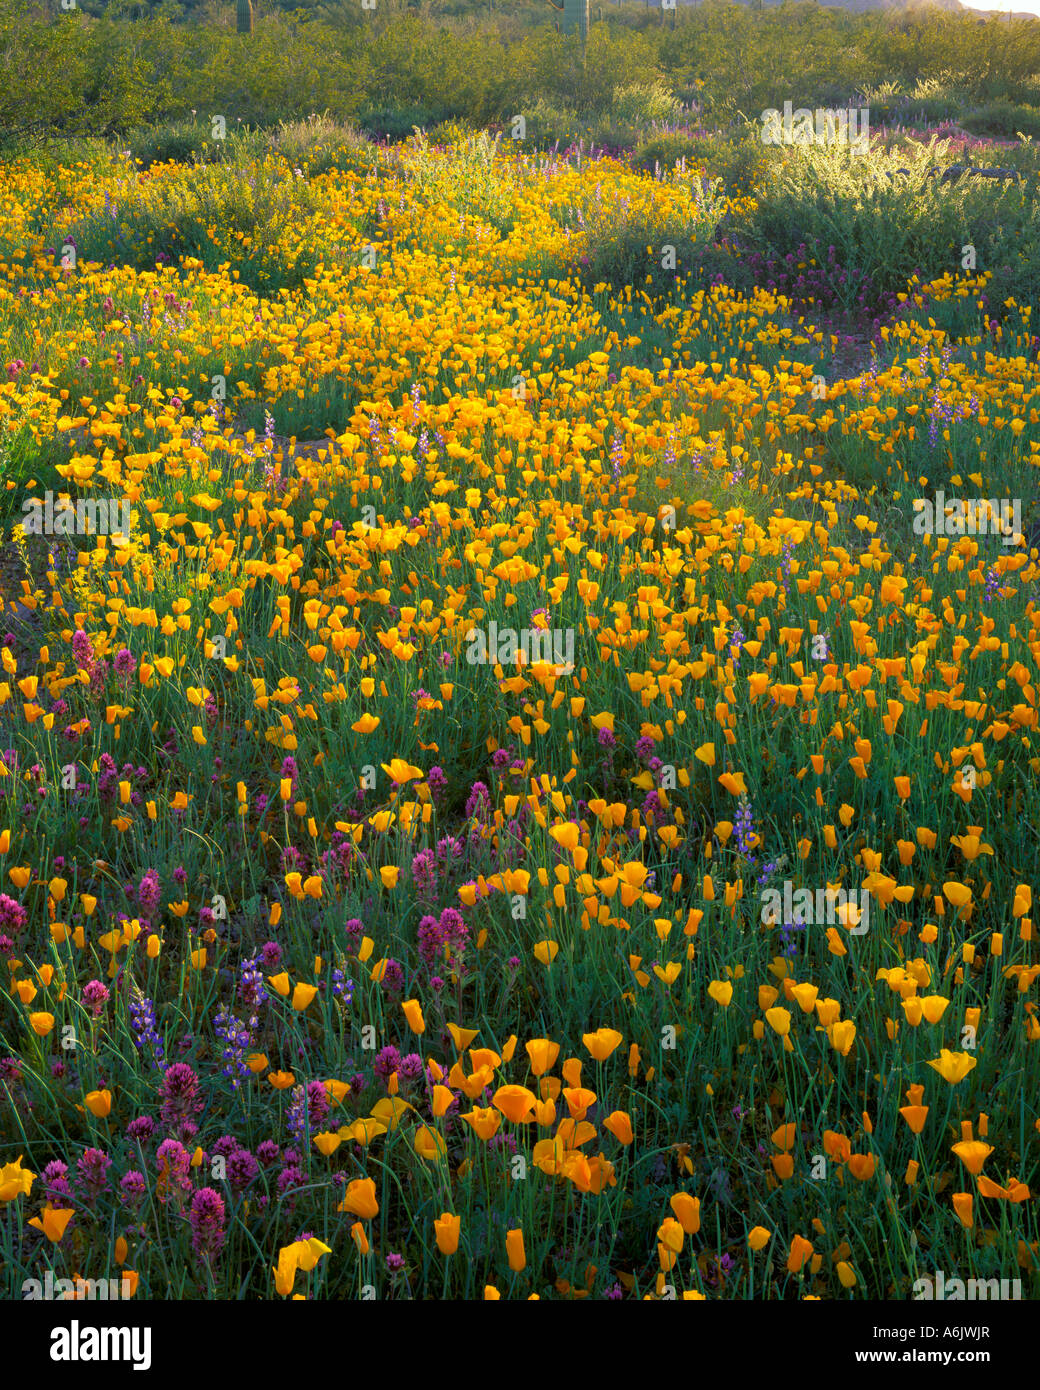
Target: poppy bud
x=515 y=1250
x=447 y=1228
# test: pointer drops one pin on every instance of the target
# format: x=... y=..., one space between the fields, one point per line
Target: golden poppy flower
x=360 y=1198
x=973 y=1154
x=953 y=1066
x=602 y=1043
x=99 y=1103
x=515 y=1102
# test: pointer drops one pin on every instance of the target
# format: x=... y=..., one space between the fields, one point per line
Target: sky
x=1017 y=6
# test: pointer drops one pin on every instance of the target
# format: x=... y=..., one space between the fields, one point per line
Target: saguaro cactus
x=576 y=17
x=245 y=16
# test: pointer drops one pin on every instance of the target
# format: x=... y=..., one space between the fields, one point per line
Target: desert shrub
x=321 y=143
x=718 y=262
x=181 y=141
x=466 y=178
x=396 y=123
x=826 y=92
x=552 y=67
x=622 y=243
x=258 y=216
x=1025 y=156
x=190 y=142
x=452 y=132
x=1003 y=120
x=665 y=151
x=927 y=111
x=737 y=159
x=884 y=112
x=884 y=225
x=549 y=125
x=89 y=71
x=943 y=86
x=642 y=105
x=53 y=155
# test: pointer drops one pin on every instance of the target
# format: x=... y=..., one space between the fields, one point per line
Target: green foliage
x=321 y=143
x=237 y=213
x=643 y=104
x=44 y=70
x=926 y=111
x=1004 y=120
x=397 y=122
x=887 y=225
x=549 y=125
x=738 y=159
x=469 y=179
x=625 y=243
x=107 y=69
x=23 y=461
x=190 y=142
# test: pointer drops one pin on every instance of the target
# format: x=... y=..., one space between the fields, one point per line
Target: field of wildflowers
x=527 y=785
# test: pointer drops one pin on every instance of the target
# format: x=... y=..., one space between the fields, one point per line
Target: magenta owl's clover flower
x=180 y=1098
x=424 y=875
x=12 y=915
x=645 y=748
x=393 y=977
x=174 y=1164
x=55 y=1181
x=124 y=662
x=133 y=1187
x=82 y=648
x=268 y=1153
x=436 y=781
x=388 y=1060
x=430 y=940
x=290 y=1176
x=478 y=804
x=293 y=860
x=411 y=1068
x=149 y=895
x=93 y=1169
x=242 y=1168
x=95 y=996
x=206 y=1216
